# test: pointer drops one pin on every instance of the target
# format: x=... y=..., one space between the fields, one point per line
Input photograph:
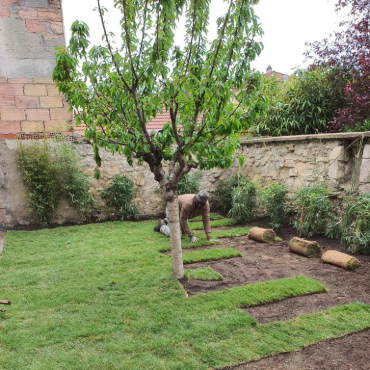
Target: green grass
x=212 y=216
x=207 y=273
x=210 y=255
x=215 y=223
x=237 y=231
x=102 y=297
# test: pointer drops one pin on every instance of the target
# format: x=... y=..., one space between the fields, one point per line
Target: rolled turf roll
x=304 y=247
x=340 y=259
x=262 y=235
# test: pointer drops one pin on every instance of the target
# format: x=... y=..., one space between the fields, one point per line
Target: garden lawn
x=101 y=296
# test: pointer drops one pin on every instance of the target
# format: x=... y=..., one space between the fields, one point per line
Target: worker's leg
x=165 y=230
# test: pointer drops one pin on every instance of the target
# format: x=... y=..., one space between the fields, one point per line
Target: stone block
x=51 y=44
x=9 y=2
x=4 y=13
x=27 y=13
x=56 y=126
x=50 y=15
x=60 y=114
x=366 y=152
x=51 y=102
x=36 y=26
x=27 y=102
x=35 y=90
x=6 y=127
x=36 y=3
x=32 y=126
x=15 y=67
x=43 y=80
x=11 y=89
x=57 y=27
x=337 y=153
x=9 y=114
x=7 y=101
x=19 y=80
x=293 y=172
x=37 y=114
x=3 y=80
x=365 y=171
x=53 y=90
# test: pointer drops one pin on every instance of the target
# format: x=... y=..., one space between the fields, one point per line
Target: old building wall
x=341 y=161
x=30 y=30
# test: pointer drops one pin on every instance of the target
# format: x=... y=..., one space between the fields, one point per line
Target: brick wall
x=29 y=101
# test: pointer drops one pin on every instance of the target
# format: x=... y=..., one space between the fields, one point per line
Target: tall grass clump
x=51 y=169
x=243 y=200
x=119 y=198
x=274 y=199
x=189 y=184
x=223 y=195
x=314 y=210
x=352 y=225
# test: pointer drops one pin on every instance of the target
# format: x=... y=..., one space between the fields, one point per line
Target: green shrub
x=74 y=184
x=274 y=199
x=189 y=184
x=50 y=169
x=223 y=196
x=352 y=225
x=243 y=201
x=314 y=210
x=304 y=104
x=40 y=178
x=119 y=197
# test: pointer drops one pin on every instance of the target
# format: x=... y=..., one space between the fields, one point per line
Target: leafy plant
x=121 y=87
x=314 y=210
x=274 y=199
x=189 y=184
x=40 y=178
x=352 y=225
x=302 y=105
x=74 y=184
x=119 y=197
x=349 y=50
x=51 y=169
x=243 y=201
x=223 y=195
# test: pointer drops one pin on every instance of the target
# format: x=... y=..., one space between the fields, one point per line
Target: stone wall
x=29 y=101
x=341 y=161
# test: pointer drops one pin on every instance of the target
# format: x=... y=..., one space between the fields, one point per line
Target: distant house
x=270 y=73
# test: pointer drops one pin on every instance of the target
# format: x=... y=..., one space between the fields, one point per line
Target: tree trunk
x=175 y=238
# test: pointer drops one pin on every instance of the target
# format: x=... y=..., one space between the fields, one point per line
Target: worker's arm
x=206 y=221
x=184 y=216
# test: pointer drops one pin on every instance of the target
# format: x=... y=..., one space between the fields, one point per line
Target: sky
x=287 y=25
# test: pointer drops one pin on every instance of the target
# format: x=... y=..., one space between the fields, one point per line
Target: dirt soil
x=261 y=262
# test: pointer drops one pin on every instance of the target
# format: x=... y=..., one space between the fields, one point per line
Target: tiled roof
x=156 y=124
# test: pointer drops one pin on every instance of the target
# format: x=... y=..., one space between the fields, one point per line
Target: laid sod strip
x=216 y=234
x=210 y=255
x=260 y=293
x=216 y=223
x=288 y=336
x=235 y=231
x=212 y=216
x=101 y=296
x=207 y=273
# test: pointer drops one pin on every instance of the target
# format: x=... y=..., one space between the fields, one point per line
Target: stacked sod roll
x=262 y=235
x=304 y=247
x=340 y=259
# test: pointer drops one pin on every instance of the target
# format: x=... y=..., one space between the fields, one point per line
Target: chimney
x=269 y=70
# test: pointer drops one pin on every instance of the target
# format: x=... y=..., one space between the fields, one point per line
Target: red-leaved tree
x=349 y=51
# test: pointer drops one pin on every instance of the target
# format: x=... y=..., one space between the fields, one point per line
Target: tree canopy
x=349 y=52
x=119 y=88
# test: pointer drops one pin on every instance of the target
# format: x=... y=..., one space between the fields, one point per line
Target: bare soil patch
x=262 y=262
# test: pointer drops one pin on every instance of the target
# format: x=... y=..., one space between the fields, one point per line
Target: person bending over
x=190 y=206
